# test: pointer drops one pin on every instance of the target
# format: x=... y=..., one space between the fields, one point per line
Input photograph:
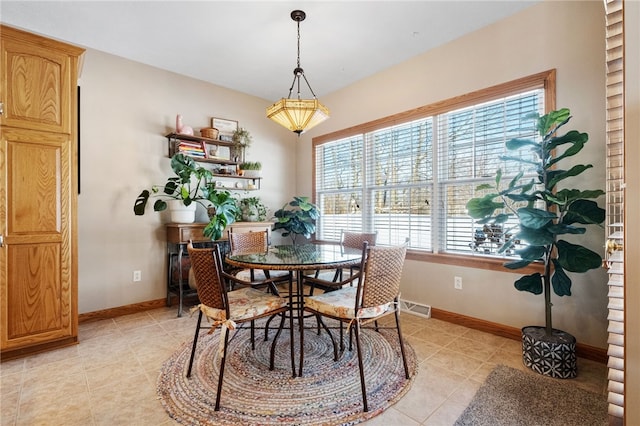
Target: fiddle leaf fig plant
x=297 y=219
x=544 y=214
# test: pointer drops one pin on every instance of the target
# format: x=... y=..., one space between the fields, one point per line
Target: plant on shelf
x=299 y=219
x=191 y=185
x=251 y=165
x=251 y=209
x=544 y=214
x=251 y=169
x=241 y=140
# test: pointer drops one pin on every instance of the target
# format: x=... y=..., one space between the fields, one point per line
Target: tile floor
x=110 y=377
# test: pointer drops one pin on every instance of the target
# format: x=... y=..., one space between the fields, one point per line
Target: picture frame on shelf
x=225 y=127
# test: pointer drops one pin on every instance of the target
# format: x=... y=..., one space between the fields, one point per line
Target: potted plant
x=222 y=212
x=298 y=219
x=252 y=169
x=191 y=185
x=241 y=139
x=251 y=209
x=545 y=214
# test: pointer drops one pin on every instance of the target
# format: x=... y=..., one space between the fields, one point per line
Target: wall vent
x=415 y=308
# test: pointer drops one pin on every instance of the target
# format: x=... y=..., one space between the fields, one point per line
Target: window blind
x=411 y=174
x=615 y=202
x=340 y=187
x=471 y=142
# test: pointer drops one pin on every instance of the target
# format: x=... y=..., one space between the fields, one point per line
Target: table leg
x=300 y=296
x=291 y=309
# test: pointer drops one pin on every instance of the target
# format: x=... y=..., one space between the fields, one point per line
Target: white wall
x=126 y=109
x=567 y=36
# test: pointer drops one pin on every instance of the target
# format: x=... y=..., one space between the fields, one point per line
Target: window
x=411 y=175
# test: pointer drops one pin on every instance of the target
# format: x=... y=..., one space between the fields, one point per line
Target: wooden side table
x=178 y=236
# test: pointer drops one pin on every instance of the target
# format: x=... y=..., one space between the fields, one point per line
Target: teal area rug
x=327 y=394
x=511 y=397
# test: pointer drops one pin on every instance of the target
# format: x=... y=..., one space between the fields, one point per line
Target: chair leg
x=360 y=366
x=253 y=335
x=224 y=334
x=333 y=342
x=195 y=341
x=266 y=327
x=273 y=344
x=375 y=323
x=404 y=357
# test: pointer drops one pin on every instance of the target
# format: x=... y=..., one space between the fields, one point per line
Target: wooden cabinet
x=222 y=168
x=38 y=193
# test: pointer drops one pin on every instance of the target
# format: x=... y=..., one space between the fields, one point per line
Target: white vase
x=180 y=213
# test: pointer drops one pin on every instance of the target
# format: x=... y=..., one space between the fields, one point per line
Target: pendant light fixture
x=297 y=114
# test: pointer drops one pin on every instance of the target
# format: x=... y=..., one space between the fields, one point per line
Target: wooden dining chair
x=375 y=296
x=227 y=309
x=255 y=242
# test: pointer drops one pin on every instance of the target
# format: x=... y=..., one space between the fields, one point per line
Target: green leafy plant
x=242 y=137
x=297 y=219
x=186 y=186
x=222 y=212
x=251 y=165
x=251 y=209
x=543 y=212
x=191 y=184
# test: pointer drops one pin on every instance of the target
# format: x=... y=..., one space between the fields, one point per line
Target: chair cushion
x=258 y=274
x=341 y=303
x=246 y=303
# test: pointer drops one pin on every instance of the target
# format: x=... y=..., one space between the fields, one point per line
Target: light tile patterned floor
x=110 y=377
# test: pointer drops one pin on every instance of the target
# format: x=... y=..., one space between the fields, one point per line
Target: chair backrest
x=356 y=239
x=251 y=227
x=249 y=242
x=207 y=266
x=382 y=266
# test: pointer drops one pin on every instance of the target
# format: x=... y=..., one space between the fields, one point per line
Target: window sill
x=477 y=262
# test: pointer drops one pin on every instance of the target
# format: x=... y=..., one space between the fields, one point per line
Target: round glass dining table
x=298 y=258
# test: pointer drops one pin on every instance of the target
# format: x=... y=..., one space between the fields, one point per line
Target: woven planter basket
x=209 y=132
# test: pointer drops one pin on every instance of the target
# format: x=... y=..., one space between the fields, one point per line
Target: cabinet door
x=37 y=282
x=36 y=84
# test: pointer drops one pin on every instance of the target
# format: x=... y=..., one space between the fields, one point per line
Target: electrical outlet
x=457 y=283
x=137 y=276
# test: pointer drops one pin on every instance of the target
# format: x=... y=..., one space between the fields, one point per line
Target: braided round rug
x=328 y=393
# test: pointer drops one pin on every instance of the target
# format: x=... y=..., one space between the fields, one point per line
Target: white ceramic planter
x=180 y=213
x=253 y=173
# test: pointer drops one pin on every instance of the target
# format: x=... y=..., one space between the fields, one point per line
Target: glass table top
x=298 y=257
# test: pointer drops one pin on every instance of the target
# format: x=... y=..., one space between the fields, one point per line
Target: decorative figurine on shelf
x=181 y=128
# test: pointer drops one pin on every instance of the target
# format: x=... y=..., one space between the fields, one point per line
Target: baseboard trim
x=584 y=351
x=122 y=310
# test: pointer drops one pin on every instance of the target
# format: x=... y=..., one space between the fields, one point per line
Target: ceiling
x=250 y=46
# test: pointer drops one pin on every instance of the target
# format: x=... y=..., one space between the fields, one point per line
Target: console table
x=178 y=236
